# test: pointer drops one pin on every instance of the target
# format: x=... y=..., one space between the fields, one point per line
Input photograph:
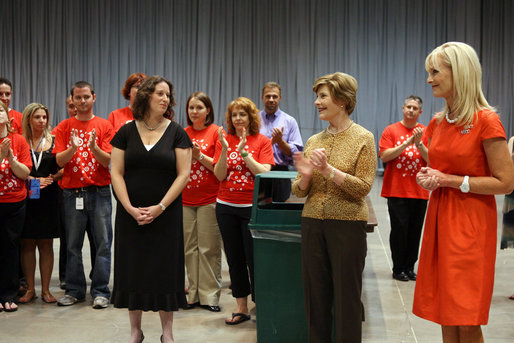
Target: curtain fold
x=231 y=48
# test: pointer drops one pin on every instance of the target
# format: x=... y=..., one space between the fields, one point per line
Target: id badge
x=79 y=203
x=34 y=189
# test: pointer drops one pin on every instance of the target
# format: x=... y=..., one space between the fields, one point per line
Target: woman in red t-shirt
x=239 y=156
x=202 y=238
x=124 y=115
x=15 y=165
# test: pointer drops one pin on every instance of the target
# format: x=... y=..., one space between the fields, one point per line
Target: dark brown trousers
x=333 y=255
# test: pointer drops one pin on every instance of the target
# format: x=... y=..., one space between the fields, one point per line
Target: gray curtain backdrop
x=231 y=48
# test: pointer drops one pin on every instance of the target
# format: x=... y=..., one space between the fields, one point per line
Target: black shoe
x=411 y=275
x=191 y=306
x=400 y=276
x=62 y=285
x=211 y=308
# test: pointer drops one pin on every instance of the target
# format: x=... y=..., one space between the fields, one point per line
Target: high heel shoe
x=30 y=295
x=142 y=337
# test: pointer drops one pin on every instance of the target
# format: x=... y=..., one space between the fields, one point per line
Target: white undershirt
x=149 y=146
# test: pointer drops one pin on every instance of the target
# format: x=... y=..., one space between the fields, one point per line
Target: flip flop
x=10 y=305
x=28 y=297
x=511 y=297
x=242 y=318
x=48 y=298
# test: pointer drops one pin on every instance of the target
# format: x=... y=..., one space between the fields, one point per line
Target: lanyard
x=37 y=161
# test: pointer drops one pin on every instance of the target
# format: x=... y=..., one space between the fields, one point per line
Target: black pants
x=406 y=216
x=12 y=218
x=238 y=244
x=333 y=256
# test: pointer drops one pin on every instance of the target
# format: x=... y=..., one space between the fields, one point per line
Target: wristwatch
x=162 y=206
x=201 y=157
x=420 y=144
x=464 y=187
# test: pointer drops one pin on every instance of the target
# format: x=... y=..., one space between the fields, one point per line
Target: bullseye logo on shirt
x=409 y=160
x=8 y=181
x=83 y=161
x=198 y=173
x=239 y=174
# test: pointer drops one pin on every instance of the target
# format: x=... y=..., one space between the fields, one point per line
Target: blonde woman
x=41 y=223
x=468 y=163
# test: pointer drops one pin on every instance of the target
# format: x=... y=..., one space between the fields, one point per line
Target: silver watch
x=464 y=187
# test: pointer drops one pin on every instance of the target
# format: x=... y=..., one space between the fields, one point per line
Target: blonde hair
x=467 y=80
x=342 y=88
x=249 y=107
x=28 y=113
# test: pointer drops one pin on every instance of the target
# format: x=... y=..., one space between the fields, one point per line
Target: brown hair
x=204 y=98
x=342 y=88
x=253 y=113
x=143 y=94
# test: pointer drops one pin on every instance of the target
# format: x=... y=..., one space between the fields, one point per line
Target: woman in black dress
x=41 y=221
x=150 y=163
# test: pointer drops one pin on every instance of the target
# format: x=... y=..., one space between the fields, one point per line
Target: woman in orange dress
x=468 y=163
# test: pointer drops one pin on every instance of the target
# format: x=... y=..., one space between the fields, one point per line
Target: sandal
x=30 y=295
x=242 y=318
x=511 y=297
x=11 y=308
x=48 y=298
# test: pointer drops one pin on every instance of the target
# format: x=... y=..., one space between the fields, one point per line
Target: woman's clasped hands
x=145 y=215
x=428 y=178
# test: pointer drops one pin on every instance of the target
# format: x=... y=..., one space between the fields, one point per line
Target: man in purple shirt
x=285 y=136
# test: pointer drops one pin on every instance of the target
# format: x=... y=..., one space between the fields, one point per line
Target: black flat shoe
x=211 y=308
x=411 y=275
x=400 y=276
x=191 y=306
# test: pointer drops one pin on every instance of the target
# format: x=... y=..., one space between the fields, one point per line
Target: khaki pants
x=202 y=249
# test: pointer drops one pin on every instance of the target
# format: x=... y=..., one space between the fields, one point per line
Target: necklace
x=335 y=133
x=152 y=128
x=451 y=121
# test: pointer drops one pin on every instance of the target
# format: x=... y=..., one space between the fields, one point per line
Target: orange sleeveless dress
x=456 y=265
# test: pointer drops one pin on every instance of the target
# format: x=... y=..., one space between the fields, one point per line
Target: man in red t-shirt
x=401 y=147
x=82 y=147
x=5 y=96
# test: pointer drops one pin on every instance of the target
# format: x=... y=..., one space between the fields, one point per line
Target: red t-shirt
x=237 y=188
x=120 y=117
x=12 y=188
x=400 y=173
x=83 y=169
x=203 y=185
x=16 y=126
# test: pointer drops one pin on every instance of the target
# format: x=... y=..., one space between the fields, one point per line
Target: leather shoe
x=191 y=306
x=411 y=275
x=211 y=308
x=400 y=276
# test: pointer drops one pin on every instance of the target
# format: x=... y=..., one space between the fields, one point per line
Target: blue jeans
x=97 y=212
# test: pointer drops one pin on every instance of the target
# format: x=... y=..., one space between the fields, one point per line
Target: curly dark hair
x=143 y=95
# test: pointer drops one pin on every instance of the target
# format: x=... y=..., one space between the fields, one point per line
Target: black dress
x=149 y=259
x=42 y=216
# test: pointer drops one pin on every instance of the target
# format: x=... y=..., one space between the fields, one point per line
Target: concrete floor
x=388 y=305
